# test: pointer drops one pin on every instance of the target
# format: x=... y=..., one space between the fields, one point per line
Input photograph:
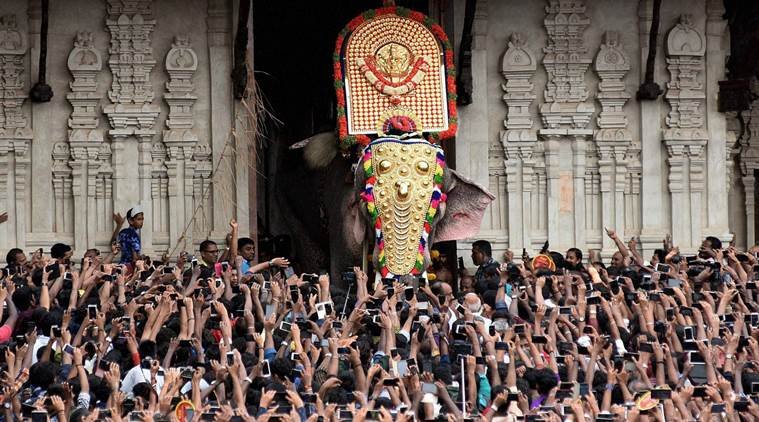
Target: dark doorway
x=294 y=43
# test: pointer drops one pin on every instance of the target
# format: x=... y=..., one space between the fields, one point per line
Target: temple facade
x=143 y=113
x=556 y=132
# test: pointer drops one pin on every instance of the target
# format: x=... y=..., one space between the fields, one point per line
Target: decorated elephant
x=396 y=98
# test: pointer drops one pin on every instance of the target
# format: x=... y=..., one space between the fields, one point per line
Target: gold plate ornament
x=403 y=192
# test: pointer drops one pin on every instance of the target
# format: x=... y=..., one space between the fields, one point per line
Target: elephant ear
x=464 y=208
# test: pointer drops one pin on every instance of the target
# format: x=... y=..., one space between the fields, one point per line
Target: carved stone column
x=612 y=138
x=179 y=137
x=518 y=67
x=84 y=63
x=685 y=137
x=566 y=115
x=15 y=134
x=131 y=113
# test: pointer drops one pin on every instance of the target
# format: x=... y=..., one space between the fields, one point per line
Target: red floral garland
x=346 y=140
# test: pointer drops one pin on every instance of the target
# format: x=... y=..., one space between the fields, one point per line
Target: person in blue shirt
x=129 y=238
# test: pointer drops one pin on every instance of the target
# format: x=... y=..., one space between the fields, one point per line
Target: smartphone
x=68 y=349
x=501 y=345
x=461 y=263
x=565 y=310
x=718 y=408
x=408 y=293
x=39 y=416
x=662 y=268
x=584 y=389
x=285 y=326
x=539 y=339
x=92 y=311
x=646 y=347
x=168 y=270
x=56 y=331
x=230 y=358
x=390 y=382
x=519 y=329
x=265 y=369
x=661 y=393
x=289 y=272
x=429 y=387
x=422 y=282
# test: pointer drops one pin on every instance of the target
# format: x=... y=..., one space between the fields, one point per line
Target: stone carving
x=12 y=41
x=131 y=61
x=13 y=123
x=84 y=63
x=685 y=138
x=517 y=67
x=181 y=63
x=684 y=39
x=612 y=65
x=566 y=64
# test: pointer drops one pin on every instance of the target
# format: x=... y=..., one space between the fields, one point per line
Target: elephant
x=461 y=204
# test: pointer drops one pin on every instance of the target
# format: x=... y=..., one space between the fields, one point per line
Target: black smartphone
x=56 y=331
x=390 y=382
x=661 y=393
x=718 y=408
x=92 y=311
x=646 y=347
x=39 y=416
x=686 y=311
x=584 y=389
x=230 y=358
x=168 y=270
x=408 y=293
x=265 y=369
x=539 y=339
x=225 y=266
x=461 y=262
x=501 y=345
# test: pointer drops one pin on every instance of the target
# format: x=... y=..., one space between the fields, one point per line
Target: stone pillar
x=716 y=152
x=15 y=134
x=612 y=138
x=566 y=115
x=518 y=67
x=685 y=137
x=84 y=139
x=179 y=137
x=131 y=113
x=219 y=58
x=749 y=186
x=652 y=195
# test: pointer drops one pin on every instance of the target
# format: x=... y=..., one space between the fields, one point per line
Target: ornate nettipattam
x=396 y=97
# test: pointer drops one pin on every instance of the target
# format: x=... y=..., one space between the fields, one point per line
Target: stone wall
x=142 y=114
x=568 y=147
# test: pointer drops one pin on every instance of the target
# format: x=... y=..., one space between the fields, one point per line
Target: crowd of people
x=119 y=336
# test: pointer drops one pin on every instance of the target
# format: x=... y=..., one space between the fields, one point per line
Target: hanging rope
x=42 y=92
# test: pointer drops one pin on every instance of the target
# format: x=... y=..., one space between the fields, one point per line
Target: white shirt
x=42 y=341
x=137 y=375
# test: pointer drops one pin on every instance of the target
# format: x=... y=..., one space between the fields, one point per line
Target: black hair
x=22 y=298
x=244 y=241
x=576 y=252
x=10 y=258
x=205 y=244
x=281 y=367
x=58 y=250
x=148 y=348
x=715 y=242
x=42 y=374
x=484 y=247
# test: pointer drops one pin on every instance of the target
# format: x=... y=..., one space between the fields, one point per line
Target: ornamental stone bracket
x=685 y=62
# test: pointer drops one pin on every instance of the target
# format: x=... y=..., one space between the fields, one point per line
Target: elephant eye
x=422 y=166
x=385 y=165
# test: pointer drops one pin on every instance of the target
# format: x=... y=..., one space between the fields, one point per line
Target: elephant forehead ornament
x=396 y=98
